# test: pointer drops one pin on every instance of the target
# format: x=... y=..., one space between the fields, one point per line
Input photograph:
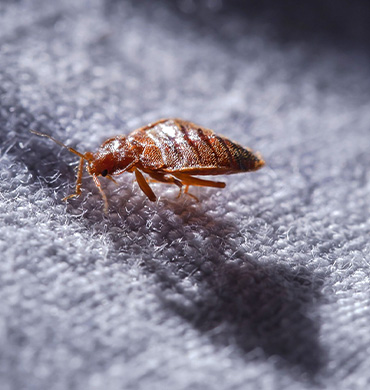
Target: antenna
x=59 y=143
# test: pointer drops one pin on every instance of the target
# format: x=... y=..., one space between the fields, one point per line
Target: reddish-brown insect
x=169 y=151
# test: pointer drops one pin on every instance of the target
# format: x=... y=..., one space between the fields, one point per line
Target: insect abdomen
x=180 y=146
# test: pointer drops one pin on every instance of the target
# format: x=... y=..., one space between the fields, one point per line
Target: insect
x=170 y=151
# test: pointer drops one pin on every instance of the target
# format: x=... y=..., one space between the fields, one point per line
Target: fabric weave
x=264 y=284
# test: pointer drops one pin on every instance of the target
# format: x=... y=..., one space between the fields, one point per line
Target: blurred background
x=262 y=285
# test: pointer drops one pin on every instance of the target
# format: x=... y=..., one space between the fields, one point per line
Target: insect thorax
x=113 y=157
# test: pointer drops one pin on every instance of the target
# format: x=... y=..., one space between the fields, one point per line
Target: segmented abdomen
x=174 y=145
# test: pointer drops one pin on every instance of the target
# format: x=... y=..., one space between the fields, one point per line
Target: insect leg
x=111 y=178
x=165 y=178
x=186 y=191
x=78 y=180
x=102 y=193
x=144 y=186
x=162 y=178
x=194 y=181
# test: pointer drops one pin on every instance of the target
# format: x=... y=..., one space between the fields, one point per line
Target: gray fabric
x=264 y=284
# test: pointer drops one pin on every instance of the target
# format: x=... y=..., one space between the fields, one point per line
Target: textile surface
x=263 y=284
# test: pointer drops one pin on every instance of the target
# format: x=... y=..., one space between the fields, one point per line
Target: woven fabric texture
x=261 y=285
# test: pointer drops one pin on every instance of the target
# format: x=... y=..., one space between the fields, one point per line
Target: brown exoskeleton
x=170 y=151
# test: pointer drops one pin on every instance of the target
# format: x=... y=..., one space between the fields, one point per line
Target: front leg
x=78 y=181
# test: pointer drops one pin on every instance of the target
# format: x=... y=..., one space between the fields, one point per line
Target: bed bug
x=170 y=151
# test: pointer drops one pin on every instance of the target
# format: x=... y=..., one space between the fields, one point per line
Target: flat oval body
x=175 y=145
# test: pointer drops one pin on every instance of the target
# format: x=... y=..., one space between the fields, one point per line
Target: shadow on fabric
x=212 y=282
x=248 y=304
